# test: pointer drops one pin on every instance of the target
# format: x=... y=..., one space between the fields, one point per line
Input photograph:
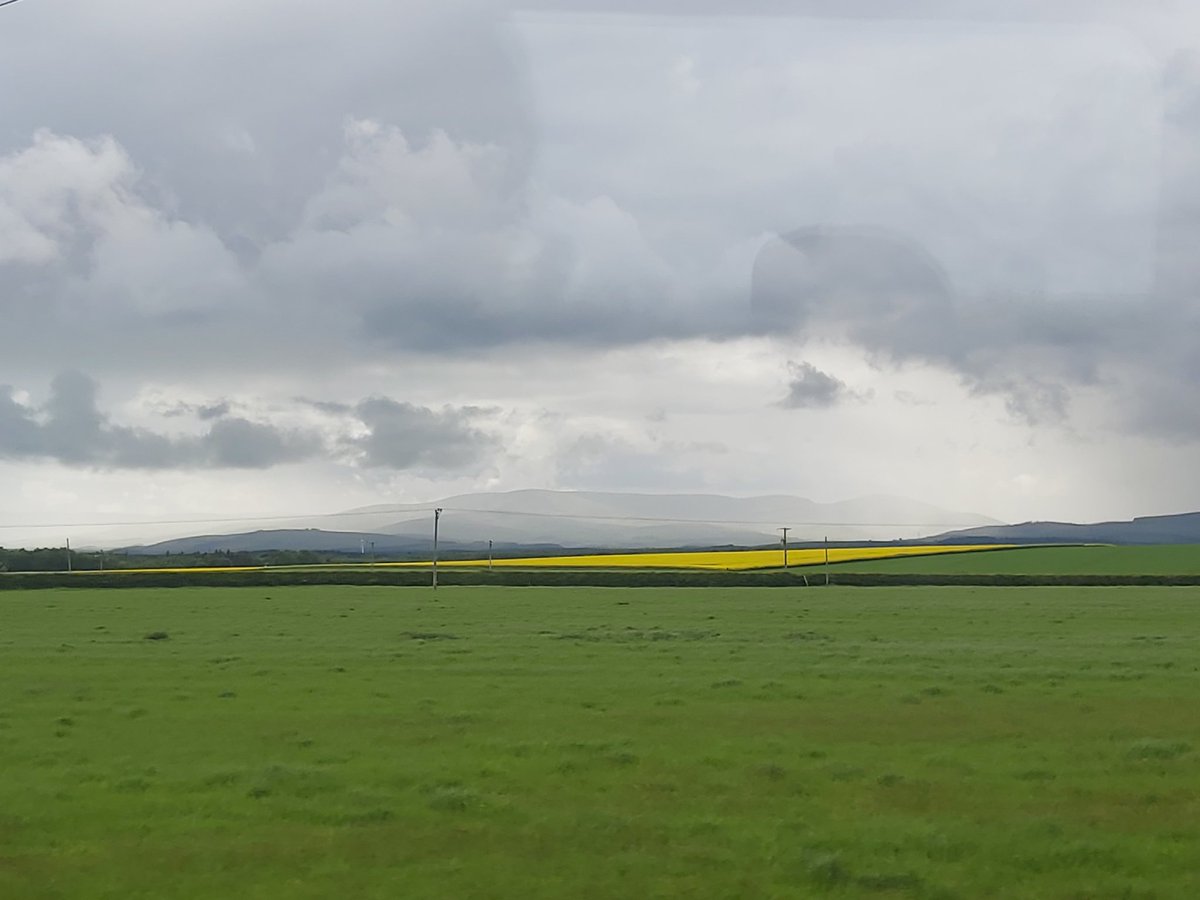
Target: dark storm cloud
x=404 y=436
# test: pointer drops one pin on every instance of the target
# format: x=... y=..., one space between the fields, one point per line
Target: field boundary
x=565 y=578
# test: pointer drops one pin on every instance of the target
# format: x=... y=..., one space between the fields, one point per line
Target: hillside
x=1091 y=561
x=281 y=539
x=1175 y=529
x=626 y=520
x=582 y=519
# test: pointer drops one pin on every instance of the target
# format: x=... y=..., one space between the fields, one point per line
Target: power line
x=7 y=2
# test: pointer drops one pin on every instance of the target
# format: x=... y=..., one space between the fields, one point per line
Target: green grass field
x=1182 y=559
x=600 y=743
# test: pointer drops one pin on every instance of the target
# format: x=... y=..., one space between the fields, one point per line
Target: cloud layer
x=70 y=428
x=363 y=225
x=497 y=257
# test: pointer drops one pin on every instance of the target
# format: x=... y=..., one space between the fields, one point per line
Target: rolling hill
x=1183 y=528
x=579 y=519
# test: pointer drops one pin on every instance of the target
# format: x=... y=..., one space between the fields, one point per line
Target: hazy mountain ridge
x=1182 y=528
x=592 y=520
x=276 y=539
x=564 y=519
x=630 y=520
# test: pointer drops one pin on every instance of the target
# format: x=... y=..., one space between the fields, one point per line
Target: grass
x=594 y=743
x=1180 y=559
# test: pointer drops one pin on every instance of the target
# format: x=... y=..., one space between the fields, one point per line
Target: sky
x=290 y=258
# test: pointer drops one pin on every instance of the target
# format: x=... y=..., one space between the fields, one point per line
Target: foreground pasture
x=547 y=743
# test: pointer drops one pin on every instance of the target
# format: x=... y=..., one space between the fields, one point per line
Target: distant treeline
x=55 y=559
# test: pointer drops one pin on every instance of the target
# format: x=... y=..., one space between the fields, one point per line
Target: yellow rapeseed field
x=718 y=560
x=727 y=560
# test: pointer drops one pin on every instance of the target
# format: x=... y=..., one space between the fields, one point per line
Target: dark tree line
x=55 y=559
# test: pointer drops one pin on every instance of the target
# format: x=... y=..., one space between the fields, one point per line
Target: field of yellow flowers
x=721 y=560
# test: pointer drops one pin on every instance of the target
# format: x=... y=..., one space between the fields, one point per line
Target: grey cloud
x=202 y=411
x=886 y=292
x=215 y=410
x=265 y=120
x=449 y=255
x=241 y=444
x=330 y=407
x=404 y=436
x=810 y=388
x=887 y=295
x=70 y=428
x=884 y=289
x=226 y=219
x=20 y=434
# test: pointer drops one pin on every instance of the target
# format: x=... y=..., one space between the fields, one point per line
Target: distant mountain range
x=563 y=519
x=1177 y=529
x=552 y=520
x=279 y=539
x=318 y=541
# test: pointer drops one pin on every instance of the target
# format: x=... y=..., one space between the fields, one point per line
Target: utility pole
x=372 y=553
x=783 y=543
x=489 y=555
x=437 y=515
x=826 y=560
x=68 y=554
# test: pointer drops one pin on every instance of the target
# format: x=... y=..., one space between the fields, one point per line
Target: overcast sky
x=290 y=258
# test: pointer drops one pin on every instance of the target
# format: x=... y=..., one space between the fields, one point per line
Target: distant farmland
x=711 y=560
x=727 y=560
x=1181 y=559
x=863 y=566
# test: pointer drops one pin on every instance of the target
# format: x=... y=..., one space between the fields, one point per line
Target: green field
x=1180 y=559
x=360 y=742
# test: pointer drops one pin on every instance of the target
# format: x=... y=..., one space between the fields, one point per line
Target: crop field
x=1092 y=560
x=709 y=560
x=727 y=560
x=375 y=742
